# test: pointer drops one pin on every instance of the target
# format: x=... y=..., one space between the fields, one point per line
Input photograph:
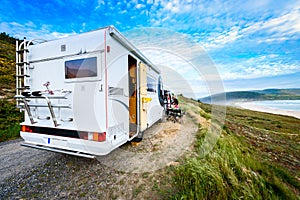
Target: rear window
x=81 y=68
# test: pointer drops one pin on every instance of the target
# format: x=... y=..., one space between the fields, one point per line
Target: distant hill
x=267 y=94
x=295 y=91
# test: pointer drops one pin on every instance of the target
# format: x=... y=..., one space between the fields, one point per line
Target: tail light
x=93 y=136
x=26 y=129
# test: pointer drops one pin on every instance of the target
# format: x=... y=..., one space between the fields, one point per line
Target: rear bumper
x=71 y=146
x=74 y=153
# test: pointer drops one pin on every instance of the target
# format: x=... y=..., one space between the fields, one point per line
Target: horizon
x=232 y=91
x=251 y=45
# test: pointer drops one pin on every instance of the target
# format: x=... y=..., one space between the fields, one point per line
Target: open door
x=132 y=84
x=143 y=106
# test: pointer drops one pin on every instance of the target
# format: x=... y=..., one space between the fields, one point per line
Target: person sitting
x=174 y=102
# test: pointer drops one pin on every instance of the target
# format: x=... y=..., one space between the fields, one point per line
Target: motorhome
x=86 y=94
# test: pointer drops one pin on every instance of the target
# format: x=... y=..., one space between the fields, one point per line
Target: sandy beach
x=253 y=106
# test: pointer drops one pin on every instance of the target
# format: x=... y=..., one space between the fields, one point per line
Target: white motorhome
x=86 y=94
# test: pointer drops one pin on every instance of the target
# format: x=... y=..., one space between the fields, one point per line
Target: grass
x=204 y=114
x=10 y=118
x=136 y=191
x=241 y=164
x=10 y=133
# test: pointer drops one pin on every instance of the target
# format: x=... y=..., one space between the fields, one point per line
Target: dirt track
x=129 y=172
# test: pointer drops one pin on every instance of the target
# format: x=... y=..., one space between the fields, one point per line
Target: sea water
x=293 y=105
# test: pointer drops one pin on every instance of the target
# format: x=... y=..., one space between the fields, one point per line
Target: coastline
x=252 y=106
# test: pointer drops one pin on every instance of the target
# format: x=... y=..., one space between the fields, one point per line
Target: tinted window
x=151 y=84
x=80 y=68
x=160 y=90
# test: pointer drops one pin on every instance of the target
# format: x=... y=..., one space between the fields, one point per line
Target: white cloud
x=224 y=38
x=177 y=52
x=100 y=4
x=256 y=68
x=30 y=24
x=122 y=12
x=285 y=27
x=31 y=32
x=175 y=6
x=139 y=6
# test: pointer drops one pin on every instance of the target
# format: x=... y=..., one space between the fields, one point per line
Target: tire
x=138 y=138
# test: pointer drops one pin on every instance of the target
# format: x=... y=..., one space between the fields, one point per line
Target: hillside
x=256 y=157
x=10 y=117
x=267 y=94
x=7 y=66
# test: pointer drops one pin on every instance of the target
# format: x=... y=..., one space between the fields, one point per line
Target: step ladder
x=22 y=70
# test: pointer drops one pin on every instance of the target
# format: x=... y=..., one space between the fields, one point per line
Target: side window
x=160 y=89
x=151 y=84
x=81 y=68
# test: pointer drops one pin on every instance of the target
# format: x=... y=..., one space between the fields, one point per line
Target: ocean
x=292 y=105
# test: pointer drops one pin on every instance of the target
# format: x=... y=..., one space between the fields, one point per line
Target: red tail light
x=26 y=129
x=99 y=137
x=93 y=136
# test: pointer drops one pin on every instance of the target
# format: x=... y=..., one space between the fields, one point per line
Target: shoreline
x=252 y=106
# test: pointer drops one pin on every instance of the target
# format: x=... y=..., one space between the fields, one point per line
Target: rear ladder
x=23 y=93
x=22 y=70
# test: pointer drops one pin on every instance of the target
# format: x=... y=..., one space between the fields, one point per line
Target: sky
x=246 y=44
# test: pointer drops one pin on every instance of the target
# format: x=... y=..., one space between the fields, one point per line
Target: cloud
x=100 y=3
x=30 y=31
x=282 y=28
x=281 y=81
x=224 y=38
x=246 y=39
x=173 y=6
x=257 y=67
x=178 y=52
x=139 y=6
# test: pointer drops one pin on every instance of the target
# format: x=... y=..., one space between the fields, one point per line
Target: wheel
x=138 y=138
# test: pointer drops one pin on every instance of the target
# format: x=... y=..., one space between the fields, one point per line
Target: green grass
x=204 y=114
x=10 y=133
x=231 y=172
x=10 y=117
x=241 y=164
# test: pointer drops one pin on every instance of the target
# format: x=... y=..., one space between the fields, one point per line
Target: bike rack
x=49 y=105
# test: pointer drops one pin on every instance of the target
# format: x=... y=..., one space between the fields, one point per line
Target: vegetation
x=6 y=38
x=256 y=157
x=10 y=117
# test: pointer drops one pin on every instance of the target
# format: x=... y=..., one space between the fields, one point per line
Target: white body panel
x=94 y=103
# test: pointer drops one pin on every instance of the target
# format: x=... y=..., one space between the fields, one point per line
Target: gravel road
x=16 y=159
x=129 y=172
